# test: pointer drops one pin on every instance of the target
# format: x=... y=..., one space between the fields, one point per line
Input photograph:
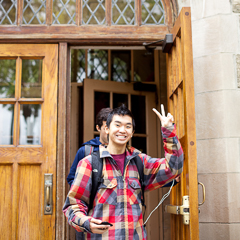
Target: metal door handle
x=48 y=198
x=48 y=195
x=204 y=193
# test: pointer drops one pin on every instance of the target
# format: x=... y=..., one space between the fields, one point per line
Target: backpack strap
x=139 y=164
x=88 y=149
x=97 y=166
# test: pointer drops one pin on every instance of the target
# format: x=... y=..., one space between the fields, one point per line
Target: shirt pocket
x=134 y=191
x=107 y=193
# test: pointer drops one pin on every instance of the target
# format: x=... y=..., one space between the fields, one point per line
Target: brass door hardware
x=204 y=194
x=48 y=200
x=180 y=210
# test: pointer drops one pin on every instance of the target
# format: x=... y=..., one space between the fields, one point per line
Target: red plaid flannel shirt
x=118 y=199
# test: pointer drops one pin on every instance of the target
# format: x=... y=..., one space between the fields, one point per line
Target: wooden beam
x=70 y=33
x=61 y=145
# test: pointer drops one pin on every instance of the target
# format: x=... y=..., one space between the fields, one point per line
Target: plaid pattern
x=118 y=199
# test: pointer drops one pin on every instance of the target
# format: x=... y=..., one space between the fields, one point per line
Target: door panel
x=29 y=149
x=181 y=102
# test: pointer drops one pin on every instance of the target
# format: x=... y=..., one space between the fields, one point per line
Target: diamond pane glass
x=7 y=78
x=6 y=124
x=143 y=66
x=8 y=9
x=30 y=124
x=93 y=12
x=121 y=66
x=34 y=12
x=152 y=12
x=31 y=85
x=78 y=65
x=98 y=64
x=64 y=11
x=123 y=12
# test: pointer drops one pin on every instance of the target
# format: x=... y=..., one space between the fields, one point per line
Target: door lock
x=180 y=210
x=48 y=199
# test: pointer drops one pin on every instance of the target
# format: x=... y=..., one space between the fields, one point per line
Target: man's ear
x=98 y=128
x=106 y=129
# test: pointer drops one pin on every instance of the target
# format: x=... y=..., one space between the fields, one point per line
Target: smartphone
x=106 y=223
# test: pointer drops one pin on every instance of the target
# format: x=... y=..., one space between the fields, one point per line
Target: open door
x=28 y=130
x=180 y=92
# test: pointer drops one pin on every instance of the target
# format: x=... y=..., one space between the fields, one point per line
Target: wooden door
x=98 y=94
x=181 y=103
x=28 y=124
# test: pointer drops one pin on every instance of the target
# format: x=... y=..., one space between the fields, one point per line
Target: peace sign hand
x=166 y=121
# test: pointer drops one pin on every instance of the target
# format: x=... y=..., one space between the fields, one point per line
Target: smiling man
x=118 y=199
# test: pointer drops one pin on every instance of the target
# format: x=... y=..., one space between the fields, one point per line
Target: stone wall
x=216 y=58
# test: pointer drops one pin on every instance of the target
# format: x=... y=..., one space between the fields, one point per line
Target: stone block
x=217 y=114
x=238 y=69
x=236 y=6
x=214 y=35
x=202 y=9
x=218 y=155
x=217 y=231
x=222 y=203
x=214 y=72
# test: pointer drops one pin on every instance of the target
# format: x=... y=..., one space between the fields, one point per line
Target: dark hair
x=121 y=111
x=102 y=116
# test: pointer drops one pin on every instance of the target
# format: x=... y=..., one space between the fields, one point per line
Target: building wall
x=216 y=58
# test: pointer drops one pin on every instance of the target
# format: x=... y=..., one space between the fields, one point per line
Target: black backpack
x=97 y=166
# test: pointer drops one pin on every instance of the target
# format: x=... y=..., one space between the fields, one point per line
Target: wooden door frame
x=63 y=144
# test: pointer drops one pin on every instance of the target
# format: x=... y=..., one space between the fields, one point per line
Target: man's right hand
x=96 y=228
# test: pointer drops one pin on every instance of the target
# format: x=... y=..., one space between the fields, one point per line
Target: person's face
x=120 y=130
x=103 y=135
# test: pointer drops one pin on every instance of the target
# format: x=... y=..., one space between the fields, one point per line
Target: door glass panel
x=64 y=11
x=78 y=62
x=152 y=12
x=98 y=64
x=34 y=12
x=30 y=124
x=143 y=66
x=139 y=143
x=31 y=78
x=7 y=78
x=121 y=66
x=6 y=124
x=8 y=11
x=138 y=109
x=101 y=100
x=119 y=99
x=93 y=12
x=123 y=12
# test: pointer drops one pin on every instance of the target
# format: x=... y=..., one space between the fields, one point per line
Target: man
x=101 y=119
x=118 y=199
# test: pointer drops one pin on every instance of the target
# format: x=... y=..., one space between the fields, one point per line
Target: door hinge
x=180 y=210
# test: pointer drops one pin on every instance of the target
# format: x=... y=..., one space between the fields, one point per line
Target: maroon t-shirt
x=119 y=159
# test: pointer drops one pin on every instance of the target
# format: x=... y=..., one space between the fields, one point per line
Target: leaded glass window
x=78 y=65
x=123 y=12
x=112 y=65
x=98 y=64
x=93 y=12
x=152 y=12
x=34 y=12
x=64 y=11
x=8 y=11
x=121 y=66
